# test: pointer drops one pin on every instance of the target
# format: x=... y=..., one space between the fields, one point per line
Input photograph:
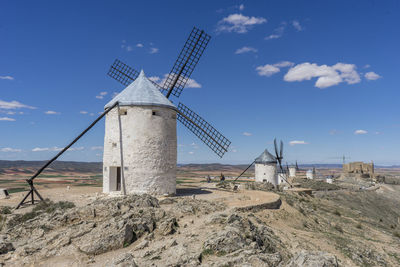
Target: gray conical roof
x=142 y=92
x=266 y=157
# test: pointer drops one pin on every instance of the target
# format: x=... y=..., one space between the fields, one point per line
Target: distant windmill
x=265 y=167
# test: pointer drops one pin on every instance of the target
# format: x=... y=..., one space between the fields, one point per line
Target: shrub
x=338 y=228
x=336 y=212
x=359 y=226
x=5 y=210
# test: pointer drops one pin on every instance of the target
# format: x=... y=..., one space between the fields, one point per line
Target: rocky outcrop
x=313 y=259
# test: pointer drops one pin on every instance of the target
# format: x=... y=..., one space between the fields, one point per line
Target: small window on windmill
x=114 y=144
x=154 y=113
x=123 y=111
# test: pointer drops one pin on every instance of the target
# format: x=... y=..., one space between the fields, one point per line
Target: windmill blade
x=203 y=130
x=281 y=151
x=122 y=72
x=297 y=166
x=186 y=62
x=276 y=149
x=125 y=74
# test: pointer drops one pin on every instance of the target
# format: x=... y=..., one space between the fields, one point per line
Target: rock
x=313 y=259
x=169 y=226
x=242 y=233
x=197 y=206
x=5 y=246
x=123 y=260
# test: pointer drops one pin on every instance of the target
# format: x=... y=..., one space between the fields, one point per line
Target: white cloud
x=9 y=149
x=39 y=149
x=283 y=64
x=6 y=119
x=296 y=142
x=360 y=132
x=83 y=112
x=267 y=70
x=154 y=78
x=297 y=25
x=191 y=152
x=101 y=95
x=278 y=32
x=51 y=112
x=96 y=148
x=238 y=23
x=153 y=50
x=247 y=134
x=191 y=83
x=241 y=7
x=6 y=78
x=246 y=49
x=327 y=75
x=139 y=45
x=372 y=76
x=13 y=105
x=367 y=66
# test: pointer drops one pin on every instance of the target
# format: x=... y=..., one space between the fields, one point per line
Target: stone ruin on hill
x=359 y=169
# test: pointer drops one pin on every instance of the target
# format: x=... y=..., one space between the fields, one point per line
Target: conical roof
x=266 y=157
x=141 y=92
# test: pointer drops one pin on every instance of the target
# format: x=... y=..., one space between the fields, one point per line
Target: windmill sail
x=125 y=74
x=203 y=130
x=186 y=62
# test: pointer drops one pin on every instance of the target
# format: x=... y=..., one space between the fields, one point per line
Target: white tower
x=140 y=148
x=265 y=168
x=292 y=171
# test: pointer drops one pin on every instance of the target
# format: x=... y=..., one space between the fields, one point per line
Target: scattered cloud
x=154 y=78
x=367 y=66
x=139 y=45
x=327 y=75
x=101 y=95
x=191 y=152
x=13 y=105
x=241 y=7
x=96 y=148
x=360 y=132
x=269 y=70
x=238 y=23
x=278 y=32
x=6 y=78
x=51 y=112
x=296 y=25
x=41 y=149
x=246 y=49
x=247 y=134
x=191 y=83
x=9 y=149
x=126 y=47
x=153 y=50
x=296 y=142
x=83 y=112
x=372 y=76
x=6 y=119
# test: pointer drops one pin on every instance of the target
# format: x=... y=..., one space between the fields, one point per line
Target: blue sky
x=320 y=75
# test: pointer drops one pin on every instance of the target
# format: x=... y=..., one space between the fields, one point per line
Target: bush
x=338 y=228
x=49 y=206
x=5 y=210
x=336 y=212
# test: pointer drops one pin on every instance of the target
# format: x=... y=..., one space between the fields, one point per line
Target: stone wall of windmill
x=364 y=170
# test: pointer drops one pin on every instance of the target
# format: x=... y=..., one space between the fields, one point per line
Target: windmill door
x=115 y=178
x=118 y=178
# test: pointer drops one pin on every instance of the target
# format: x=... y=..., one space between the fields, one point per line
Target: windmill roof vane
x=266 y=157
x=141 y=92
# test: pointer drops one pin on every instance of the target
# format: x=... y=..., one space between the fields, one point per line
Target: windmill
x=174 y=85
x=279 y=157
